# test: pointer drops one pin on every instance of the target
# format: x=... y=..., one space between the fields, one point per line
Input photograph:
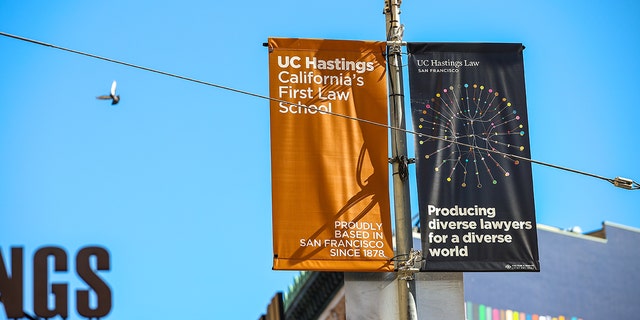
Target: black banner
x=475 y=186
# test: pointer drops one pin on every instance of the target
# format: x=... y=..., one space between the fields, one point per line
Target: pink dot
x=517 y=117
x=445 y=90
x=490 y=90
x=428 y=106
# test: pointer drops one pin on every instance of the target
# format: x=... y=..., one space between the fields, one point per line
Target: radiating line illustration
x=473 y=118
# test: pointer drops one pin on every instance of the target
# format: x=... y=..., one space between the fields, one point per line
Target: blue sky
x=175 y=180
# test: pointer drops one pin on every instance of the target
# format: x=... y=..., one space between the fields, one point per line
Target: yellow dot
x=521 y=148
x=481 y=87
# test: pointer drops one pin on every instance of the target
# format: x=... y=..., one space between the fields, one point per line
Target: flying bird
x=112 y=96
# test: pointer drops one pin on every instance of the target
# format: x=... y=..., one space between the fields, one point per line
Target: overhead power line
x=620 y=182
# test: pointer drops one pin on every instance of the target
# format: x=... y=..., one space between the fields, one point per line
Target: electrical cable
x=618 y=181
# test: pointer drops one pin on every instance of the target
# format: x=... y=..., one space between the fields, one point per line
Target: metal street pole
x=402 y=204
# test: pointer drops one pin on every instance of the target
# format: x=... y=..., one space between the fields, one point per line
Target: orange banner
x=330 y=183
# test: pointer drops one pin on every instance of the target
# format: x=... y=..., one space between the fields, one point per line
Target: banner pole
x=402 y=204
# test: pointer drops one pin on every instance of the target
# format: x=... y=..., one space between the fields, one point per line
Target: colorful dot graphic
x=474 y=119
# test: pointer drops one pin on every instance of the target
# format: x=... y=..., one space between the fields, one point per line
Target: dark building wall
x=581 y=276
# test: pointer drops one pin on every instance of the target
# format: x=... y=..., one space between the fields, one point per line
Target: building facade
x=588 y=276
